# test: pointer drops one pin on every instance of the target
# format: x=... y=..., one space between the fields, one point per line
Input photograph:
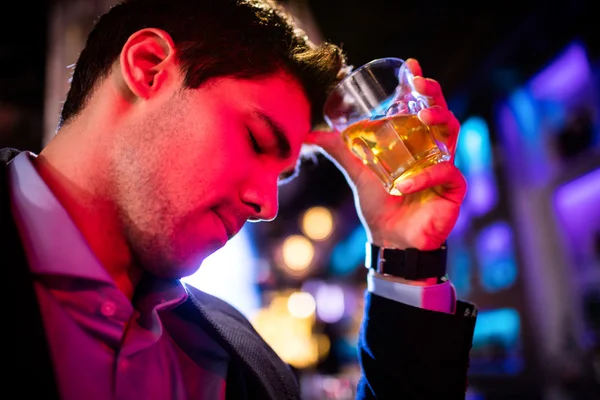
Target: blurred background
x=523 y=79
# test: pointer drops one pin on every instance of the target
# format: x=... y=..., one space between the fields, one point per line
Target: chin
x=180 y=267
x=172 y=271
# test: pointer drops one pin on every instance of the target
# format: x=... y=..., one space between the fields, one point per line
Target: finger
x=435 y=115
x=414 y=67
x=445 y=124
x=453 y=131
x=430 y=88
x=444 y=174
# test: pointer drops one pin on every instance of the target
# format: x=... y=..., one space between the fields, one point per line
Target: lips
x=231 y=227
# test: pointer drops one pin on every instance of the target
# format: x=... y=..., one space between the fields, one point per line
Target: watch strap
x=411 y=263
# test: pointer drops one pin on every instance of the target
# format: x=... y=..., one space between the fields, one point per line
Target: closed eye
x=254 y=143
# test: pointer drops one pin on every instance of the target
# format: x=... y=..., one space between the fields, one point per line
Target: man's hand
x=425 y=214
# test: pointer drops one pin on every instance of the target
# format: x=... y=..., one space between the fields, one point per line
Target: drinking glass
x=375 y=109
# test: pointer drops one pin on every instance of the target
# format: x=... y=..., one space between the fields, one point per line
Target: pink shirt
x=104 y=346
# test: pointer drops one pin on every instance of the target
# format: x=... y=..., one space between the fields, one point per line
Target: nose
x=262 y=197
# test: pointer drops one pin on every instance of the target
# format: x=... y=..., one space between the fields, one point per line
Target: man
x=181 y=120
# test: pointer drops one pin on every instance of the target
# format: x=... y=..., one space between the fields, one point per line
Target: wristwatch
x=411 y=264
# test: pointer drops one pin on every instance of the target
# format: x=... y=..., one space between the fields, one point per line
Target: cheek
x=214 y=156
x=234 y=161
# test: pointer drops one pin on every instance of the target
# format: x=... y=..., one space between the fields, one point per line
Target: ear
x=146 y=61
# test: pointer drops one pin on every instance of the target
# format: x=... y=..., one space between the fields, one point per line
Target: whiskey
x=394 y=147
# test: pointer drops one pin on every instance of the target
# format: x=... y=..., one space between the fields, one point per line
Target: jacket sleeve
x=412 y=353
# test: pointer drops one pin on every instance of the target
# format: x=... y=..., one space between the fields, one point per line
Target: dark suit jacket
x=405 y=352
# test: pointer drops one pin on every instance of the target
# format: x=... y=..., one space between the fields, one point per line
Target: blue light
x=475 y=160
x=495 y=254
x=499 y=327
x=475 y=144
x=554 y=112
x=349 y=253
x=472 y=394
x=346 y=349
x=459 y=268
x=499 y=331
x=540 y=109
x=524 y=107
x=527 y=114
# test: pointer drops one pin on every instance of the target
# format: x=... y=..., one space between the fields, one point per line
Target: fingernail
x=405 y=185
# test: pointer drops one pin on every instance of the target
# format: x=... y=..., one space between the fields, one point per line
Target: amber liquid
x=394 y=147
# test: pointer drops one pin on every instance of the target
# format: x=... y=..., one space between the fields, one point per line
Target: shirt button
x=108 y=309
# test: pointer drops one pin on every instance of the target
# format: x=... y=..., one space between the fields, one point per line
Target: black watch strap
x=409 y=264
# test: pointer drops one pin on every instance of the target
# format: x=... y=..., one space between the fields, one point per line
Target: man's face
x=192 y=168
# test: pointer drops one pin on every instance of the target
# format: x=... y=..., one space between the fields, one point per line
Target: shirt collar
x=53 y=243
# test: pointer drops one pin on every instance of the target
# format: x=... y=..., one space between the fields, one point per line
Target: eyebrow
x=284 y=148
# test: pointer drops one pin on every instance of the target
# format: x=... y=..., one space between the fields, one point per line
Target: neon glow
x=475 y=160
x=497 y=331
x=495 y=254
x=349 y=253
x=577 y=205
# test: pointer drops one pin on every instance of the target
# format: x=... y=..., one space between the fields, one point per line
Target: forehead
x=278 y=95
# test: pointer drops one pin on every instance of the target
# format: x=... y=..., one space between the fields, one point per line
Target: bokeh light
x=330 y=303
x=317 y=223
x=301 y=304
x=297 y=252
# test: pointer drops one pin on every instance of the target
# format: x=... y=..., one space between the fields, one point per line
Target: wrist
x=409 y=266
x=388 y=242
x=384 y=241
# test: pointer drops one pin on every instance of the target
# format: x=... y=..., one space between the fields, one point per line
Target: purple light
x=330 y=303
x=509 y=128
x=565 y=81
x=463 y=222
x=495 y=239
x=580 y=193
x=567 y=76
x=495 y=254
x=482 y=194
x=527 y=113
x=578 y=205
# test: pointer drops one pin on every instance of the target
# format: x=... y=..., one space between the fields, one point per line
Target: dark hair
x=213 y=38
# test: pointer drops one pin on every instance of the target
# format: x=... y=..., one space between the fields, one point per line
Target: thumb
x=445 y=175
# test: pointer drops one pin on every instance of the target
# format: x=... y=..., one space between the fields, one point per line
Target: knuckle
x=434 y=85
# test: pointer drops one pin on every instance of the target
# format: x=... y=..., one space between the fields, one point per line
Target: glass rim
x=362 y=67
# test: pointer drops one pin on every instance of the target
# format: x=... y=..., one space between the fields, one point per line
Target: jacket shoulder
x=7 y=154
x=214 y=305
